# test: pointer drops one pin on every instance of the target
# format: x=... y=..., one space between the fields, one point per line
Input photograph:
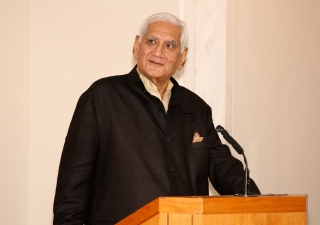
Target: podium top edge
x=233 y=196
x=233 y=204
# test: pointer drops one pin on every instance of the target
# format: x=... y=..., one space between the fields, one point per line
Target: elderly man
x=139 y=136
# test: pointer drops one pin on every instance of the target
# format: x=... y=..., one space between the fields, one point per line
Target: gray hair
x=168 y=18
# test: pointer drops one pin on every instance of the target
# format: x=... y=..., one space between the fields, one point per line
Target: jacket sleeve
x=225 y=171
x=76 y=165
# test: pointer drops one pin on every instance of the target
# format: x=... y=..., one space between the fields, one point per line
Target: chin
x=155 y=74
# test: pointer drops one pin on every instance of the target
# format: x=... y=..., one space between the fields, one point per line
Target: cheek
x=143 y=55
x=174 y=60
x=140 y=57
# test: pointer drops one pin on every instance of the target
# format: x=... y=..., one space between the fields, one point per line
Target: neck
x=160 y=83
x=161 y=88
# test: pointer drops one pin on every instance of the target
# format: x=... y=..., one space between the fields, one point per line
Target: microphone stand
x=239 y=150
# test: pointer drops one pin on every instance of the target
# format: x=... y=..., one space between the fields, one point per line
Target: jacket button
x=161 y=109
x=171 y=169
x=167 y=139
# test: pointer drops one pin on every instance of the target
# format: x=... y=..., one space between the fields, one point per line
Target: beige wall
x=51 y=51
x=73 y=43
x=274 y=96
x=14 y=110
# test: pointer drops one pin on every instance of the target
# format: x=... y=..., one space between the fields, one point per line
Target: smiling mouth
x=156 y=63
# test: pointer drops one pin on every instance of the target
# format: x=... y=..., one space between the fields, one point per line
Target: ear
x=183 y=58
x=136 y=47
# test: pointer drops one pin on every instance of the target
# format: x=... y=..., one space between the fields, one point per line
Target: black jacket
x=122 y=151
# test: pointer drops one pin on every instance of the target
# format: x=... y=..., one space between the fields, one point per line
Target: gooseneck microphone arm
x=239 y=150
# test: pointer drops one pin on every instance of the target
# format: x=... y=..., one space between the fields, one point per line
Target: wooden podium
x=222 y=210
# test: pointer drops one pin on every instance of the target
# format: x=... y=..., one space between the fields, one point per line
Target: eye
x=169 y=45
x=151 y=41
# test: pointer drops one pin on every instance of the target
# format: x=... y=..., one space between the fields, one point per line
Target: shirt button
x=161 y=109
x=167 y=139
x=171 y=169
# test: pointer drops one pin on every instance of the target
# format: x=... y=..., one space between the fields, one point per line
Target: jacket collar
x=178 y=95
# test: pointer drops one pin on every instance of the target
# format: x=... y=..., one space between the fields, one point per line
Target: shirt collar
x=178 y=96
x=152 y=88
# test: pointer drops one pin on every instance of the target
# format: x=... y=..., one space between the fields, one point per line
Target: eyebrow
x=173 y=42
x=151 y=37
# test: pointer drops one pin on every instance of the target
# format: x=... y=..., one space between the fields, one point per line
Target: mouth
x=155 y=63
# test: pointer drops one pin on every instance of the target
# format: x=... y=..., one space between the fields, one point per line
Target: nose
x=158 y=50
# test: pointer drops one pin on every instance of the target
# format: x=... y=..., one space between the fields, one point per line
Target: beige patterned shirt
x=152 y=89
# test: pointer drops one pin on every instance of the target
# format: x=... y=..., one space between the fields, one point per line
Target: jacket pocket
x=199 y=145
x=198 y=167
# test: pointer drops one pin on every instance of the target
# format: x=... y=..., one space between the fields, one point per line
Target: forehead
x=163 y=29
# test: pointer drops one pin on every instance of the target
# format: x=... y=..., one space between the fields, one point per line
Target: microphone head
x=219 y=128
x=230 y=139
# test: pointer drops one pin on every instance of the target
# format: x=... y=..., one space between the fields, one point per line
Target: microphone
x=239 y=150
x=230 y=139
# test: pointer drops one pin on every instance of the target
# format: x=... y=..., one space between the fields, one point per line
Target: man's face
x=159 y=54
